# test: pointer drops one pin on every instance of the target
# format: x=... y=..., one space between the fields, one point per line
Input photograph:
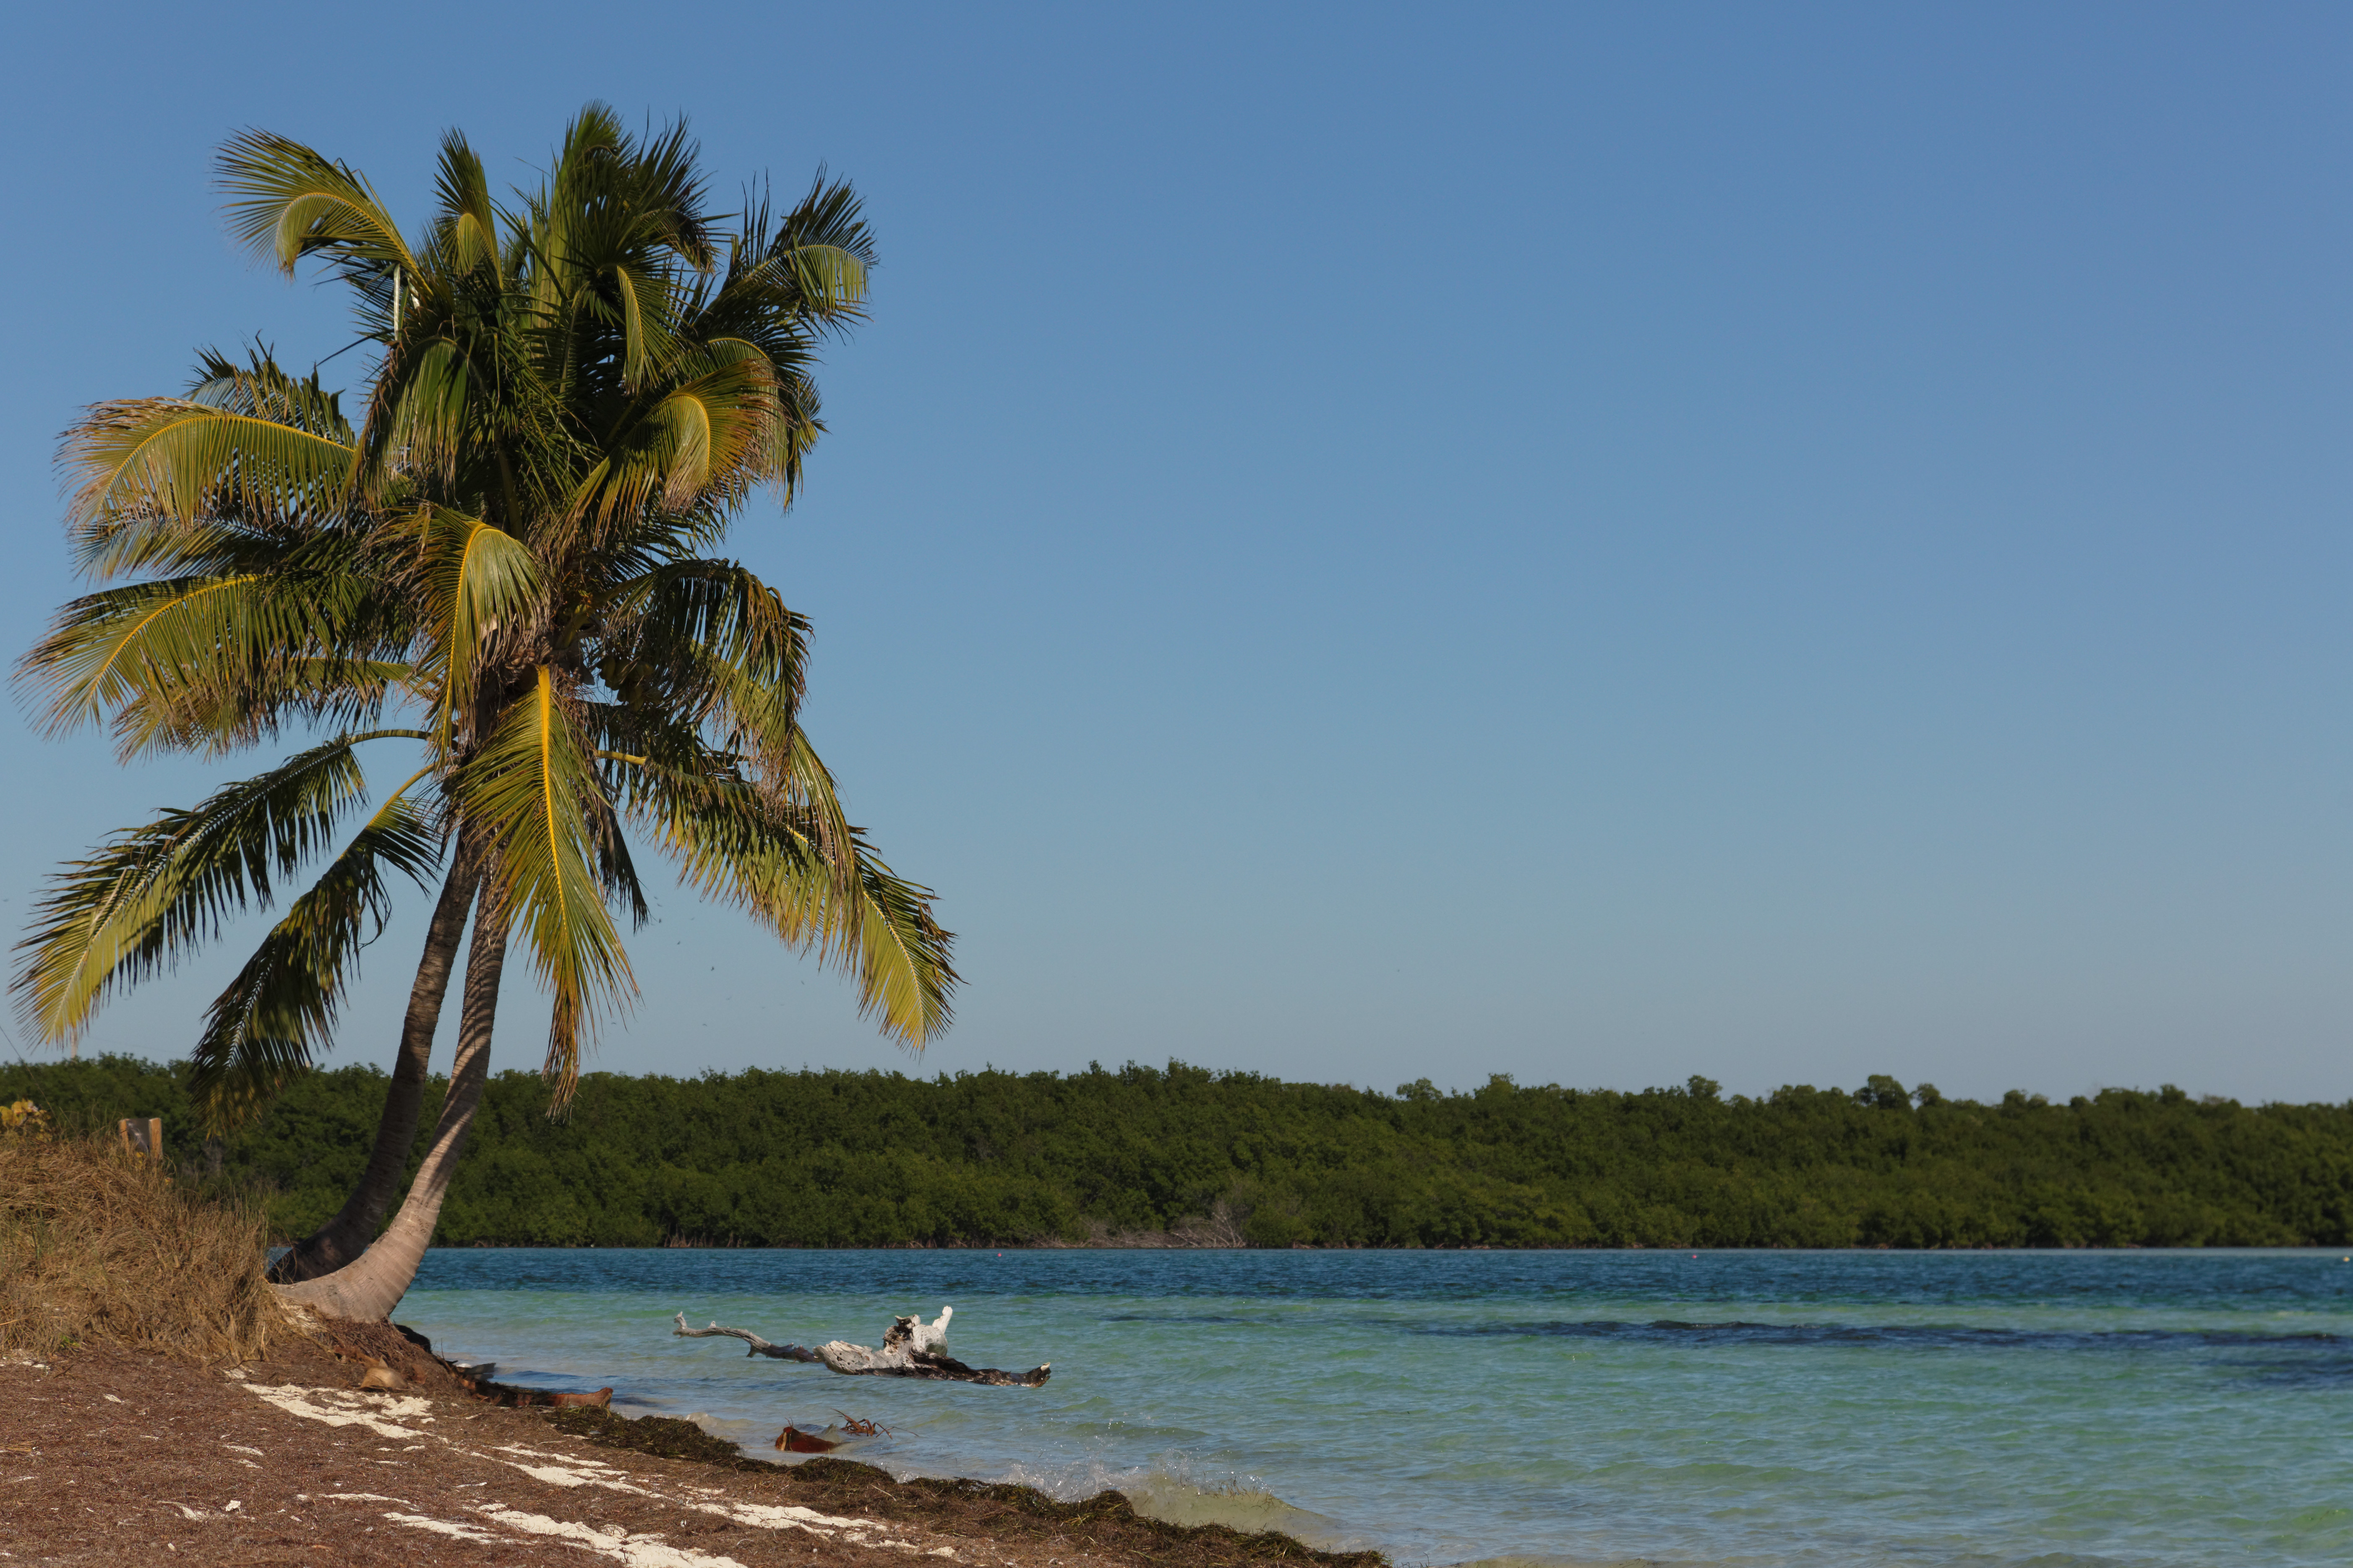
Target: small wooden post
x=142 y=1135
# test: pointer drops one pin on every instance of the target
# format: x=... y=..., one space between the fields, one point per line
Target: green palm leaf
x=173 y=660
x=795 y=867
x=667 y=625
x=287 y=202
x=471 y=583
x=899 y=954
x=467 y=232
x=153 y=895
x=261 y=389
x=533 y=794
x=421 y=410
x=162 y=463
x=706 y=433
x=280 y=1011
x=647 y=304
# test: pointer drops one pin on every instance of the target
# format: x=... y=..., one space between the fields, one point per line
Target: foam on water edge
x=1169 y=1491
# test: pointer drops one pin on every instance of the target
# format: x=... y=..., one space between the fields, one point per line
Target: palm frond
x=533 y=792
x=665 y=182
x=287 y=202
x=736 y=843
x=280 y=1012
x=210 y=659
x=468 y=227
x=471 y=584
x=664 y=624
x=815 y=260
x=161 y=464
x=422 y=410
x=152 y=895
x=260 y=388
x=705 y=433
x=900 y=954
x=230 y=708
x=647 y=306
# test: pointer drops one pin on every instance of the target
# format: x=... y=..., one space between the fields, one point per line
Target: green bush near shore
x=842 y=1159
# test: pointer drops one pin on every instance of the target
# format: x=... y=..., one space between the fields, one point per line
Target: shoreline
x=112 y=1453
x=1127 y=1243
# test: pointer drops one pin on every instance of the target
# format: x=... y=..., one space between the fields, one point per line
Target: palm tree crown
x=508 y=563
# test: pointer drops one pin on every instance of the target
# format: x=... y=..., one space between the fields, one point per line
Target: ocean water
x=1987 y=1408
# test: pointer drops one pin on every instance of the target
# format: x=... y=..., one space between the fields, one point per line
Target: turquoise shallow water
x=1727 y=1407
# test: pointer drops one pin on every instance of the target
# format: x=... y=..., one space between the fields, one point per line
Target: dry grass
x=98 y=1246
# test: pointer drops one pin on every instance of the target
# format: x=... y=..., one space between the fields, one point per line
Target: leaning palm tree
x=506 y=565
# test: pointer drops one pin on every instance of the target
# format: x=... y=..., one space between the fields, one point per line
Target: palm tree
x=507 y=564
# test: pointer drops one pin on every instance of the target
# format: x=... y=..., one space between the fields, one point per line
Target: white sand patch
x=375 y=1412
x=347 y=1407
x=583 y=1472
x=463 y=1532
x=638 y=1551
x=575 y=1473
x=785 y=1516
x=582 y=1460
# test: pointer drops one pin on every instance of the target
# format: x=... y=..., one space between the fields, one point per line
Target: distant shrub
x=1139 y=1155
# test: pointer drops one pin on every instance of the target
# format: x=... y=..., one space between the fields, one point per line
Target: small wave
x=740 y=1433
x=1173 y=1501
x=1517 y=1562
x=1170 y=1493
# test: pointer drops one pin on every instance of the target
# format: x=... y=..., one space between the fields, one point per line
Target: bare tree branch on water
x=911 y=1347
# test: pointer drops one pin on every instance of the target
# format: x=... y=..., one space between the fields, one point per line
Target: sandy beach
x=113 y=1456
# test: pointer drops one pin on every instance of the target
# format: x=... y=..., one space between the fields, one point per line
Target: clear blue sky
x=1599 y=543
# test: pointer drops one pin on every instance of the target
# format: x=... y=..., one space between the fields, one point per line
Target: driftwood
x=754 y=1344
x=793 y=1440
x=911 y=1347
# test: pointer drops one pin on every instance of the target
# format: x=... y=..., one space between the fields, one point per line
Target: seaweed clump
x=999 y=1511
x=663 y=1437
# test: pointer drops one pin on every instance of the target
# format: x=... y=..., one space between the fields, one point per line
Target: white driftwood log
x=755 y=1343
x=911 y=1347
x=930 y=1338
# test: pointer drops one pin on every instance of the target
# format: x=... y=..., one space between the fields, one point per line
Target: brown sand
x=115 y=1457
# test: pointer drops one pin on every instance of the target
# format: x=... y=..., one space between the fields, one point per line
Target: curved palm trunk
x=345 y=1237
x=371 y=1286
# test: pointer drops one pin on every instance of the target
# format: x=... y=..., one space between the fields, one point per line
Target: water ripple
x=1941 y=1336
